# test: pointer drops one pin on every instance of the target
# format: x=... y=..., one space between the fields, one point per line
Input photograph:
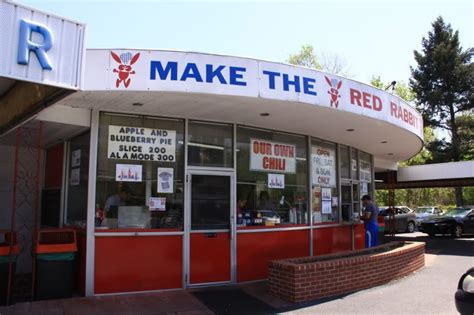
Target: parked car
x=456 y=222
x=405 y=219
x=464 y=296
x=427 y=211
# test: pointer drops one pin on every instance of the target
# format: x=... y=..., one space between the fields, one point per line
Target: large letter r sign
x=25 y=44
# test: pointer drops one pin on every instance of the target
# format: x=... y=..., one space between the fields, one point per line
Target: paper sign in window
x=165 y=180
x=128 y=173
x=157 y=204
x=326 y=207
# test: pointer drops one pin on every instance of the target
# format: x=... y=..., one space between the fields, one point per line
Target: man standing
x=370 y=221
x=119 y=199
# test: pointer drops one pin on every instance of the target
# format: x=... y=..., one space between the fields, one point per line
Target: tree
x=466 y=135
x=401 y=88
x=443 y=82
x=305 y=57
x=331 y=63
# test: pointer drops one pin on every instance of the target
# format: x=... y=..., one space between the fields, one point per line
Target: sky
x=372 y=37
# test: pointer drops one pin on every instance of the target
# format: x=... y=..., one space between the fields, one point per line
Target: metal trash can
x=55 y=264
x=9 y=249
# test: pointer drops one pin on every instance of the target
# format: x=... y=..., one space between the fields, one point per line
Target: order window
x=140 y=172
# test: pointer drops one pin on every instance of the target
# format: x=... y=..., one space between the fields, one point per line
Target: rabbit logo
x=124 y=70
x=334 y=90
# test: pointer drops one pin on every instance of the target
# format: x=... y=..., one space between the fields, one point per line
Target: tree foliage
x=331 y=63
x=305 y=57
x=443 y=82
x=416 y=197
x=402 y=89
x=466 y=135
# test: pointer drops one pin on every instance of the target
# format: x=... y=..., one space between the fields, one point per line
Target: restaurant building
x=181 y=169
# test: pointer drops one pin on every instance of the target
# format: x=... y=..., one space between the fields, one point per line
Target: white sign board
x=323 y=164
x=128 y=173
x=174 y=71
x=75 y=177
x=276 y=181
x=40 y=47
x=326 y=207
x=165 y=176
x=326 y=194
x=141 y=144
x=272 y=156
x=76 y=158
x=157 y=204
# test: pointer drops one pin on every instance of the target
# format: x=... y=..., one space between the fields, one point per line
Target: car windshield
x=457 y=212
x=424 y=210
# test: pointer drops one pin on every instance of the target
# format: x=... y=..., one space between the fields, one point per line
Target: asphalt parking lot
x=428 y=291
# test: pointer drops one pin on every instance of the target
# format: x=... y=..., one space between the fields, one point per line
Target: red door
x=210 y=233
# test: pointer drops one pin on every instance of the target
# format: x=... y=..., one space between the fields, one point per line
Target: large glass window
x=78 y=174
x=272 y=177
x=346 y=201
x=365 y=173
x=210 y=202
x=210 y=145
x=140 y=180
x=344 y=160
x=354 y=161
x=324 y=195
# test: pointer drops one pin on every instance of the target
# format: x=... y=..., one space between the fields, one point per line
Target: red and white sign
x=184 y=72
x=269 y=156
x=323 y=164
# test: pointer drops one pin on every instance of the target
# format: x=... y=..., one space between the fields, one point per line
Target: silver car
x=405 y=219
x=427 y=211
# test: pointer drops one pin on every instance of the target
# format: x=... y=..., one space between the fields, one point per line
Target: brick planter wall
x=310 y=278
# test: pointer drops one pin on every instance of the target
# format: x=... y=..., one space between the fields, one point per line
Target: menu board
x=323 y=163
x=141 y=144
x=272 y=156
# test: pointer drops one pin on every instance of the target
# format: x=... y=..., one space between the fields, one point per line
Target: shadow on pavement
x=440 y=245
x=232 y=301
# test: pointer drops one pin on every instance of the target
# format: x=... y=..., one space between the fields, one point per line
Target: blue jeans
x=371 y=233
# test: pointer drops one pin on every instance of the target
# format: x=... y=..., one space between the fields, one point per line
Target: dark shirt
x=373 y=210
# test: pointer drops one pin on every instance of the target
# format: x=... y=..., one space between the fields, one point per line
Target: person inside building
x=370 y=221
x=264 y=202
x=120 y=199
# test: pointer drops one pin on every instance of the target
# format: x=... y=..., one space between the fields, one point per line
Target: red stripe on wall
x=138 y=263
x=332 y=240
x=255 y=250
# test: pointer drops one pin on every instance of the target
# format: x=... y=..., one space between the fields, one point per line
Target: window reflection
x=210 y=145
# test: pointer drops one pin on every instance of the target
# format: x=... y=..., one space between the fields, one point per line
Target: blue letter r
x=25 y=45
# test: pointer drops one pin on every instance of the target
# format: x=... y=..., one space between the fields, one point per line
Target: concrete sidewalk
x=170 y=302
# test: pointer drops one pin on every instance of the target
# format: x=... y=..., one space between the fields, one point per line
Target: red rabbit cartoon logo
x=124 y=69
x=334 y=90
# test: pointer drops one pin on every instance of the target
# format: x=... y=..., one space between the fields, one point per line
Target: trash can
x=55 y=264
x=9 y=249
